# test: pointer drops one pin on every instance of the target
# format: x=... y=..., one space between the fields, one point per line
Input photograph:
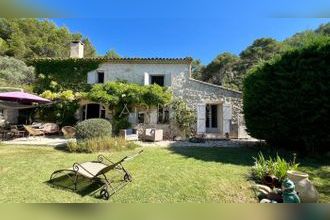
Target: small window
x=1 y=112
x=100 y=77
x=141 y=117
x=163 y=115
x=159 y=80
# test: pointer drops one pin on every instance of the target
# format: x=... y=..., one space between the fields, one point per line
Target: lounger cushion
x=92 y=167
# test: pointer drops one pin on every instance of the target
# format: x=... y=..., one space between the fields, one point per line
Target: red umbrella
x=22 y=97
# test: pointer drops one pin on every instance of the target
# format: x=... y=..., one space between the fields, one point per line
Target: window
x=163 y=115
x=159 y=80
x=141 y=117
x=93 y=110
x=100 y=77
x=1 y=112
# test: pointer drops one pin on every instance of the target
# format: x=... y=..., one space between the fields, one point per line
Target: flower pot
x=304 y=187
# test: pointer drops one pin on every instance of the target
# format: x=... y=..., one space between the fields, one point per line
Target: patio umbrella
x=22 y=97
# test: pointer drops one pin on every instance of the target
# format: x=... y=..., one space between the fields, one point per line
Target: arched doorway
x=93 y=110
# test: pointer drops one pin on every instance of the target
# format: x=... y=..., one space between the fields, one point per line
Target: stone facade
x=177 y=78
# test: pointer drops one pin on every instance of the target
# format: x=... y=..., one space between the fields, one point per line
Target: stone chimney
x=76 y=49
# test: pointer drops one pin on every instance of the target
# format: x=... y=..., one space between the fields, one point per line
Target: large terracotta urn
x=304 y=187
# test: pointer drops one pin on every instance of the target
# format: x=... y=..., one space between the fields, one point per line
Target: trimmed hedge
x=93 y=128
x=287 y=100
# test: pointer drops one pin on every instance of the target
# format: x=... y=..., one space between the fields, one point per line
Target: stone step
x=214 y=136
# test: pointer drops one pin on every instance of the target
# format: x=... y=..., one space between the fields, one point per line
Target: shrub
x=286 y=101
x=277 y=167
x=92 y=128
x=185 y=117
x=101 y=144
x=120 y=123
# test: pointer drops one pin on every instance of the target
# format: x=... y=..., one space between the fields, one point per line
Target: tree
x=286 y=100
x=112 y=54
x=323 y=29
x=262 y=49
x=197 y=69
x=223 y=67
x=14 y=72
x=32 y=38
x=301 y=39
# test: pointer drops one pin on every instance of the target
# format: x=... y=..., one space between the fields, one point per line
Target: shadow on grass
x=232 y=155
x=62 y=148
x=85 y=187
x=244 y=155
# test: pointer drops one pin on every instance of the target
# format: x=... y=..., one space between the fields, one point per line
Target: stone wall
x=135 y=73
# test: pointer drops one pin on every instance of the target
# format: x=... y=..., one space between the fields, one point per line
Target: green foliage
x=14 y=72
x=119 y=93
x=286 y=101
x=62 y=74
x=93 y=128
x=31 y=38
x=120 y=123
x=277 y=167
x=112 y=54
x=197 y=69
x=100 y=144
x=185 y=117
x=63 y=108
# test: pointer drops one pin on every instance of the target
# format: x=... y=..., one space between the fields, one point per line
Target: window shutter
x=201 y=118
x=227 y=116
x=227 y=111
x=91 y=77
x=146 y=79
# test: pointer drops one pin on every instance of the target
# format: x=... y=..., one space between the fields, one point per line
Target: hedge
x=287 y=100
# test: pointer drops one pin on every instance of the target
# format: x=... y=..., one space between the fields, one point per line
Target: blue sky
x=201 y=29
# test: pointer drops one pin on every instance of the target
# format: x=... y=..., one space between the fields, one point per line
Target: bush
x=185 y=117
x=92 y=128
x=286 y=101
x=277 y=167
x=120 y=123
x=101 y=144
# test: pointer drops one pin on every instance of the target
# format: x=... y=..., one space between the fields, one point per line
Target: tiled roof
x=155 y=60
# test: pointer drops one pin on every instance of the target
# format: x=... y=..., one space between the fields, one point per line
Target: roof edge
x=185 y=60
x=214 y=85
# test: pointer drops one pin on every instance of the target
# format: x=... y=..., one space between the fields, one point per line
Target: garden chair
x=16 y=132
x=129 y=134
x=68 y=131
x=152 y=134
x=32 y=131
x=95 y=171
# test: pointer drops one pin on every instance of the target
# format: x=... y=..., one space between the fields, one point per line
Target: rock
x=264 y=188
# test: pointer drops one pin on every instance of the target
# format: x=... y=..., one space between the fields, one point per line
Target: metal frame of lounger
x=81 y=170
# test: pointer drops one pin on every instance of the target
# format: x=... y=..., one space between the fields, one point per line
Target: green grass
x=160 y=175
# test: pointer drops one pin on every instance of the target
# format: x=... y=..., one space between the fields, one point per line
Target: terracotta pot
x=304 y=187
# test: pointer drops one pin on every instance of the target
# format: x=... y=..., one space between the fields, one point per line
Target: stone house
x=218 y=109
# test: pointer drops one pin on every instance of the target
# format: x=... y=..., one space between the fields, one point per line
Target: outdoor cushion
x=89 y=169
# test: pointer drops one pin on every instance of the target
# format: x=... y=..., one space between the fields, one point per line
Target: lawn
x=179 y=174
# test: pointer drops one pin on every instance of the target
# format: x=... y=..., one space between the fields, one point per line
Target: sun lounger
x=96 y=171
x=32 y=131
